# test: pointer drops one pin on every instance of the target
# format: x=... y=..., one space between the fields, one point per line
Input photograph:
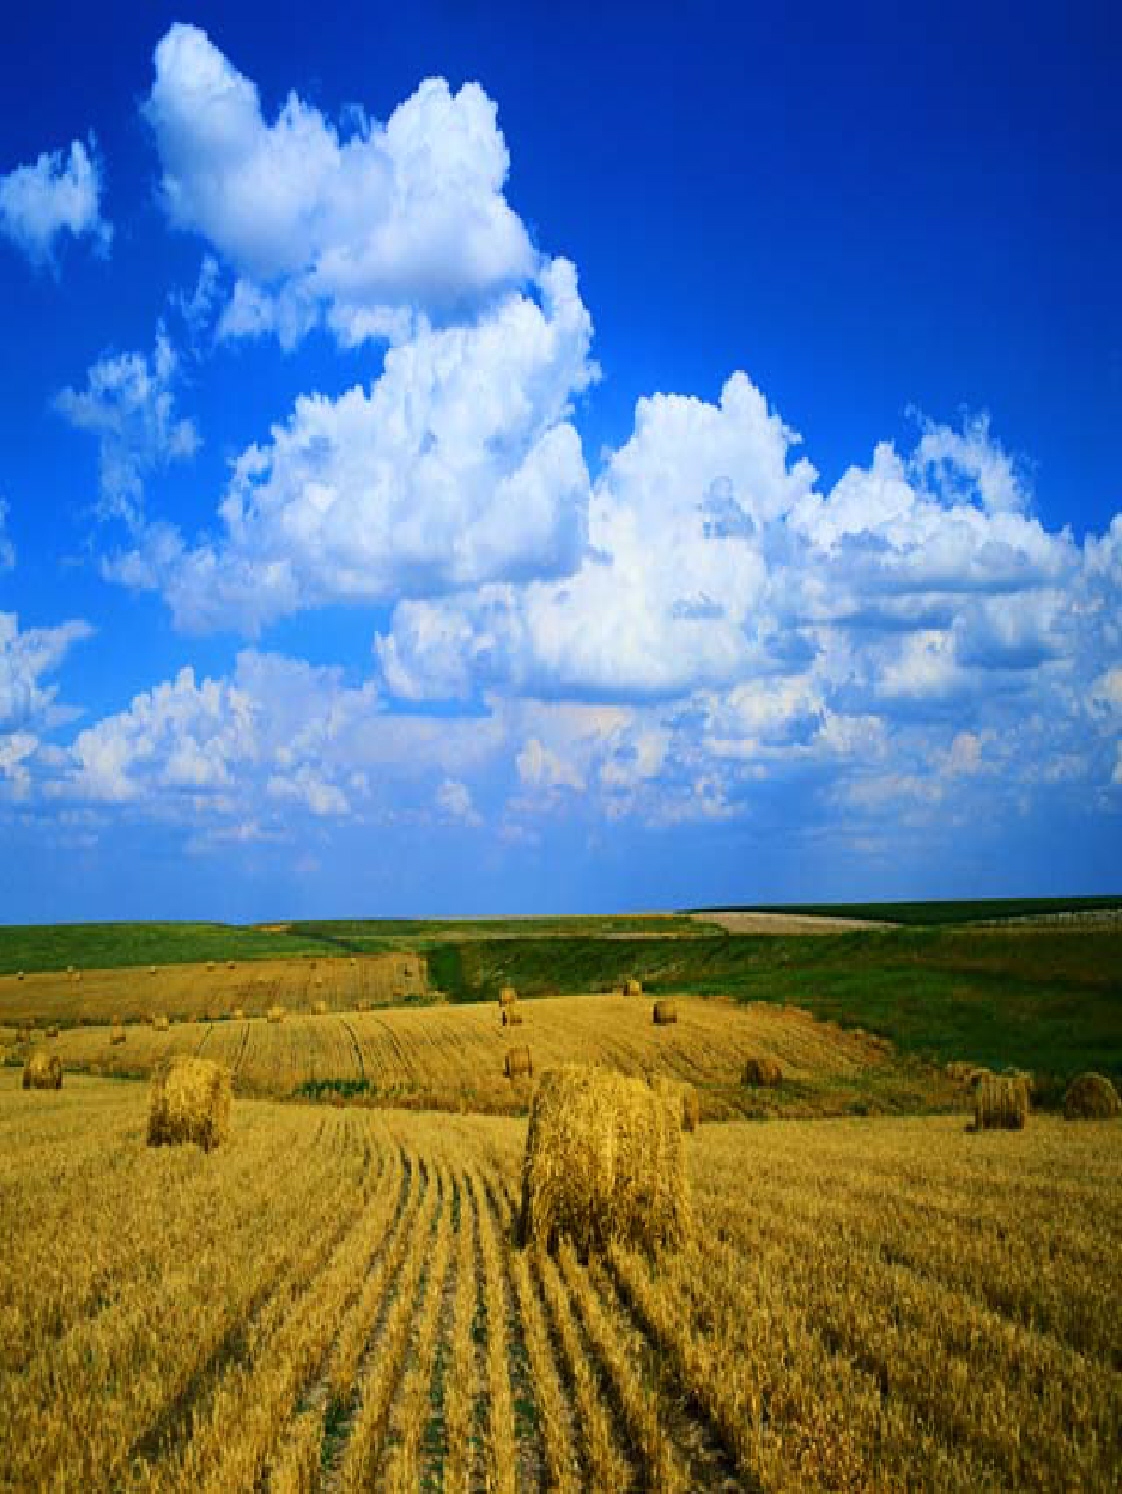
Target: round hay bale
x=70 y=969
x=508 y=996
x=275 y=1014
x=960 y=1071
x=1000 y=1104
x=518 y=1064
x=42 y=1070
x=604 y=1161
x=665 y=1012
x=189 y=1101
x=976 y=1076
x=160 y=1024
x=512 y=1017
x=762 y=1073
x=117 y=1035
x=210 y=967
x=319 y=1008
x=237 y=1013
x=151 y=969
x=632 y=987
x=52 y=1031
x=230 y=965
x=681 y=1097
x=19 y=976
x=1091 y=1097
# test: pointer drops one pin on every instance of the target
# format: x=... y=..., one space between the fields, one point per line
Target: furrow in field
x=637 y=1406
x=606 y=1464
x=385 y=1360
x=461 y=1380
x=401 y=1463
x=501 y=1439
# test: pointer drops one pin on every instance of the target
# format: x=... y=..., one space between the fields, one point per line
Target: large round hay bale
x=604 y=1161
x=518 y=1063
x=1000 y=1103
x=275 y=1014
x=1091 y=1097
x=508 y=996
x=512 y=1017
x=189 y=1101
x=763 y=1073
x=665 y=1012
x=632 y=987
x=42 y=1070
x=681 y=1097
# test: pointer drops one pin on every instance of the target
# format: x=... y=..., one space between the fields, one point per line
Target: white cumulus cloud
x=409 y=214
x=53 y=195
x=459 y=465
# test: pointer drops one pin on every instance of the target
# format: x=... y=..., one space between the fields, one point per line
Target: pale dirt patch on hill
x=787 y=923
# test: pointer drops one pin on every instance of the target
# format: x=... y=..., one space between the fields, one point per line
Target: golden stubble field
x=333 y=1300
x=451 y=1057
x=217 y=987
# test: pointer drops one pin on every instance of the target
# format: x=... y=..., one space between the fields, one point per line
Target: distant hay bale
x=19 y=975
x=151 y=969
x=210 y=967
x=70 y=969
x=632 y=987
x=604 y=1161
x=518 y=1063
x=665 y=1012
x=960 y=1070
x=319 y=1008
x=23 y=1035
x=52 y=1031
x=189 y=1101
x=512 y=1017
x=762 y=1073
x=1091 y=1097
x=508 y=996
x=160 y=1024
x=117 y=1034
x=1000 y=1104
x=42 y=1070
x=275 y=1014
x=237 y=1013
x=230 y=965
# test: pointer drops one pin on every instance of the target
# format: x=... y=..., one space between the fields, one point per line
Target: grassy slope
x=107 y=946
x=930 y=914
x=1045 y=999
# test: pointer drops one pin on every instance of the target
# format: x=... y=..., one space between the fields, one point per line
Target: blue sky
x=482 y=461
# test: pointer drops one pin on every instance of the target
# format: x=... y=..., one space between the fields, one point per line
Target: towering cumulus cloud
x=365 y=227
x=457 y=466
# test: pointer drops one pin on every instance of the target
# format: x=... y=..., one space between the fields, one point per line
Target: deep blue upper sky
x=695 y=671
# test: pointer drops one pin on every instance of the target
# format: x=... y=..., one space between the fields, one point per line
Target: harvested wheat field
x=452 y=1057
x=333 y=1299
x=190 y=991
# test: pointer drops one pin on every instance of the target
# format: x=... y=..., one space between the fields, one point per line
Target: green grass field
x=110 y=946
